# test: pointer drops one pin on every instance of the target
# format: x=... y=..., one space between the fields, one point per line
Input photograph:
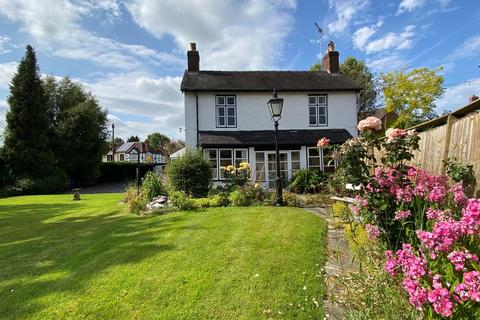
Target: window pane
x=312 y=120
x=230 y=100
x=225 y=154
x=220 y=100
x=314 y=162
x=322 y=100
x=321 y=111
x=312 y=100
x=221 y=112
x=241 y=154
x=295 y=155
x=259 y=156
x=322 y=120
x=313 y=152
x=231 y=121
x=295 y=166
x=221 y=121
x=231 y=112
x=312 y=111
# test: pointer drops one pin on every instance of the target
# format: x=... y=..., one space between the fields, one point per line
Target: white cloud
x=153 y=103
x=55 y=26
x=391 y=40
x=344 y=11
x=457 y=96
x=229 y=34
x=409 y=5
x=469 y=48
x=388 y=63
x=361 y=36
x=7 y=70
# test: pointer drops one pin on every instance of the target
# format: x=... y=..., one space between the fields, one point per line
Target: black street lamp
x=138 y=167
x=113 y=142
x=275 y=105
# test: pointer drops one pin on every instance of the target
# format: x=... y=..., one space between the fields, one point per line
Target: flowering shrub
x=431 y=228
x=236 y=176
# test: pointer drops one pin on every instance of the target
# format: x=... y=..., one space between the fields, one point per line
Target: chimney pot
x=331 y=46
x=473 y=98
x=193 y=58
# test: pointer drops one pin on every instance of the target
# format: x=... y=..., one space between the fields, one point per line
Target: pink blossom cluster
x=470 y=287
x=373 y=232
x=323 y=142
x=402 y=214
x=459 y=258
x=419 y=183
x=395 y=133
x=370 y=123
x=440 y=299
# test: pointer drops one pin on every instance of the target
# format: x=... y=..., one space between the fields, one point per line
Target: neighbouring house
x=128 y=152
x=387 y=117
x=227 y=117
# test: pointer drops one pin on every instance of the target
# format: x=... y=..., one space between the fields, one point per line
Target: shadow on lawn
x=42 y=252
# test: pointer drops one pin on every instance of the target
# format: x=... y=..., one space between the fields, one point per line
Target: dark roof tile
x=266 y=81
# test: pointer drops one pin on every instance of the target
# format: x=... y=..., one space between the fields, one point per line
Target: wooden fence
x=454 y=135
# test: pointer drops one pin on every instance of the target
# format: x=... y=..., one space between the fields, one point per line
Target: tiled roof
x=266 y=81
x=266 y=138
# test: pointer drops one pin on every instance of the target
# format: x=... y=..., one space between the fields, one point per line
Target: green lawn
x=92 y=260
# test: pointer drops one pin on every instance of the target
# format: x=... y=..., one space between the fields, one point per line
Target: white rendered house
x=226 y=116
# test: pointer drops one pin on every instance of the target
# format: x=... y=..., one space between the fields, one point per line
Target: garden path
x=339 y=263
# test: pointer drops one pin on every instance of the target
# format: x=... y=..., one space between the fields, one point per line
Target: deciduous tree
x=411 y=95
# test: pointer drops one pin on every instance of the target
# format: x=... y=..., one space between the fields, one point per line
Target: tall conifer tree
x=27 y=149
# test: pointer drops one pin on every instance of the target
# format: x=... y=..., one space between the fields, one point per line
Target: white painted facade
x=253 y=114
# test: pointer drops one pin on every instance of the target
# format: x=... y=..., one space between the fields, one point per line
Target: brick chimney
x=193 y=58
x=330 y=59
x=472 y=98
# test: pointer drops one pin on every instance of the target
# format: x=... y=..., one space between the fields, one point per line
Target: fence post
x=446 y=146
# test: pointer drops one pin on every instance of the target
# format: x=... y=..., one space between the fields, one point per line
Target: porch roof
x=308 y=137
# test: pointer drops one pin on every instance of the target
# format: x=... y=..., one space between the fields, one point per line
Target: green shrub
x=462 y=172
x=248 y=195
x=190 y=173
x=316 y=200
x=152 y=186
x=57 y=181
x=308 y=180
x=292 y=200
x=181 y=200
x=336 y=182
x=210 y=202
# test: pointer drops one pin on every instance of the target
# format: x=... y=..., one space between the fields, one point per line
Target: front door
x=271 y=169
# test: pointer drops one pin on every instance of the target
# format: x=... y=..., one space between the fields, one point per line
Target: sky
x=132 y=54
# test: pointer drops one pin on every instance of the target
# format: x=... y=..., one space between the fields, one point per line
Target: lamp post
x=138 y=167
x=113 y=142
x=275 y=105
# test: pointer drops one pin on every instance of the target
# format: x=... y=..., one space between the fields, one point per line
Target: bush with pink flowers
x=429 y=226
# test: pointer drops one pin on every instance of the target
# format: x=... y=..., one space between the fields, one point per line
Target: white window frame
x=225 y=107
x=234 y=159
x=321 y=158
x=317 y=105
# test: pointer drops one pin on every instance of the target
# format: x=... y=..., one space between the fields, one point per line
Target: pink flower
x=370 y=123
x=323 y=143
x=458 y=194
x=462 y=291
x=458 y=258
x=394 y=133
x=440 y=299
x=472 y=283
x=417 y=294
x=402 y=214
x=390 y=263
x=471 y=217
x=372 y=231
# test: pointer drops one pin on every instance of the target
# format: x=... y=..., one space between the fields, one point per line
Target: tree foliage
x=117 y=142
x=411 y=95
x=357 y=71
x=133 y=139
x=79 y=127
x=190 y=173
x=158 y=143
x=27 y=148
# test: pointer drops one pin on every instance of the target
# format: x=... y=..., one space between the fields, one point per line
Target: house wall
x=253 y=114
